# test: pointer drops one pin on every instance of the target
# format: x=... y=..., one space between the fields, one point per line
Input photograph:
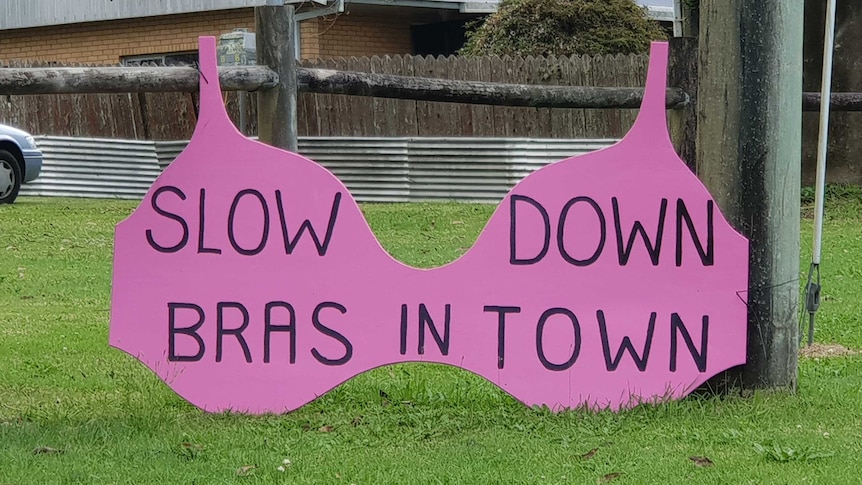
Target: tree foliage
x=563 y=27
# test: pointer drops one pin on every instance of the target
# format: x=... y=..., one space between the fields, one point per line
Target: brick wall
x=353 y=34
x=309 y=39
x=357 y=34
x=107 y=42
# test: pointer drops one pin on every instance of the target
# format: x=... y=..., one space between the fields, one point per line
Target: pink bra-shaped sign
x=249 y=280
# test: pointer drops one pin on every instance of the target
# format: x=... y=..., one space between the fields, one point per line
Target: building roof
x=656 y=3
x=21 y=14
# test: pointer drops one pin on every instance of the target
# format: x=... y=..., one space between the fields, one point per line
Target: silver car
x=20 y=162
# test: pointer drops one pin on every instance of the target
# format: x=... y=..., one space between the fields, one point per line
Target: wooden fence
x=172 y=116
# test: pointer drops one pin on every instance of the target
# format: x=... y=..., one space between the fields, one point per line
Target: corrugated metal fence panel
x=100 y=168
x=483 y=169
x=374 y=169
x=168 y=151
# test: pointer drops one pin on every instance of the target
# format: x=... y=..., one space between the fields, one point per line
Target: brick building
x=128 y=31
x=111 y=32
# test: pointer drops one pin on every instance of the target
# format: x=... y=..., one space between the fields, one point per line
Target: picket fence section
x=172 y=116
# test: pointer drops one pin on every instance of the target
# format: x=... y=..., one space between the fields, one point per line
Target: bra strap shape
x=212 y=110
x=651 y=123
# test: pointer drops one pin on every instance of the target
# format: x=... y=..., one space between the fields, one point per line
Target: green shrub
x=563 y=27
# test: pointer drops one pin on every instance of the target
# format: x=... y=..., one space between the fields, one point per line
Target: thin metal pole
x=812 y=289
x=677 y=18
x=825 y=93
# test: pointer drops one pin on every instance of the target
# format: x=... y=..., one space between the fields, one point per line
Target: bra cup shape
x=217 y=146
x=646 y=152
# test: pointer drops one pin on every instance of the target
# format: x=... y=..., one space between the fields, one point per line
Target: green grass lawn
x=73 y=410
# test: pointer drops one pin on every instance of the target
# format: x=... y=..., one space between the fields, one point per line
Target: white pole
x=825 y=97
x=677 y=18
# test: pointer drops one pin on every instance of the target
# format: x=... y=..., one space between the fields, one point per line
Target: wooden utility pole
x=276 y=49
x=748 y=155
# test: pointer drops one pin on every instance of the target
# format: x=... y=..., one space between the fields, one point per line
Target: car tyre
x=10 y=177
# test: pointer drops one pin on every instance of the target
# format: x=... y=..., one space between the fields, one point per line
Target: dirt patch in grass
x=817 y=350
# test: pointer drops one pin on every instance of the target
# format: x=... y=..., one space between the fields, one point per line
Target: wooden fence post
x=748 y=155
x=276 y=107
x=682 y=74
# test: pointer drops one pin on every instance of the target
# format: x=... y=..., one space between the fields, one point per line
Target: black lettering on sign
x=425 y=320
x=638 y=228
x=290 y=245
x=269 y=328
x=540 y=330
x=562 y=229
x=706 y=257
x=191 y=331
x=348 y=347
x=154 y=201
x=232 y=216
x=201 y=220
x=403 y=348
x=236 y=332
x=513 y=204
x=677 y=326
x=501 y=330
x=640 y=360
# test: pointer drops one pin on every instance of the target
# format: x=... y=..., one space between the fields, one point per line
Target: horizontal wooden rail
x=89 y=80
x=840 y=102
x=475 y=92
x=84 y=80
